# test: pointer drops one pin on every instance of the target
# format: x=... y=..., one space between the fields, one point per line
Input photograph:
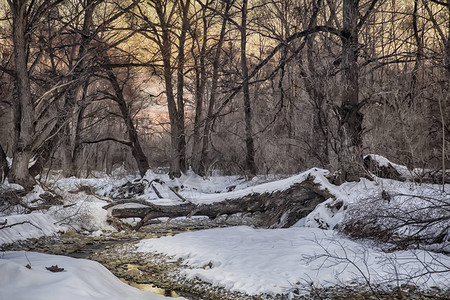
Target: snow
x=81 y=279
x=34 y=225
x=166 y=202
x=270 y=187
x=85 y=213
x=384 y=162
x=273 y=261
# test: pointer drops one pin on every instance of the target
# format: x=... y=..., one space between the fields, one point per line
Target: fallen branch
x=20 y=223
x=156 y=190
x=177 y=194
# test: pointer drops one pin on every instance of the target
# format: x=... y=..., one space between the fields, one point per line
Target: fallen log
x=383 y=168
x=277 y=209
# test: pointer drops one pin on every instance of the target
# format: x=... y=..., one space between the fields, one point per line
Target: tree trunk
x=23 y=104
x=166 y=52
x=67 y=148
x=136 y=149
x=350 y=116
x=181 y=137
x=249 y=142
x=19 y=170
x=200 y=78
x=4 y=168
x=316 y=91
x=72 y=92
x=78 y=146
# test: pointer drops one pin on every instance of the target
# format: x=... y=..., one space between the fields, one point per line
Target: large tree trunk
x=277 y=209
x=350 y=116
x=23 y=105
x=176 y=135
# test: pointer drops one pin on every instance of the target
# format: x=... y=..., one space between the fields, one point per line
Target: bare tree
x=249 y=142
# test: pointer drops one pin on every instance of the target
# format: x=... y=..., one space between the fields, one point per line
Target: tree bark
x=176 y=164
x=4 y=168
x=316 y=91
x=350 y=116
x=78 y=146
x=72 y=92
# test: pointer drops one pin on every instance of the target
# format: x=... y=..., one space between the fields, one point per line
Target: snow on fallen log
x=281 y=203
x=382 y=167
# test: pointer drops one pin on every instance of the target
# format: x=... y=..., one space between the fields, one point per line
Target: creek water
x=91 y=250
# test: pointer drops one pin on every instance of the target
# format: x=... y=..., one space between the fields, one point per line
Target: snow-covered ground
x=80 y=279
x=279 y=261
x=241 y=258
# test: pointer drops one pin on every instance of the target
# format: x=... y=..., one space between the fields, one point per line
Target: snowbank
x=33 y=225
x=86 y=213
x=368 y=195
x=274 y=261
x=81 y=279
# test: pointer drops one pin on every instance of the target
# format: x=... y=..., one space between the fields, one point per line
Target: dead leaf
x=55 y=269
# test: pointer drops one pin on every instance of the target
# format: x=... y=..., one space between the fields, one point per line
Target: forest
x=157 y=116
x=241 y=87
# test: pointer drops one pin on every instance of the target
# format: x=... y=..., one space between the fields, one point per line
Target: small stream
x=90 y=251
x=93 y=251
x=148 y=286
x=104 y=249
x=146 y=271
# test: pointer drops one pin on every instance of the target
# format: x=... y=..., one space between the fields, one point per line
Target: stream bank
x=161 y=274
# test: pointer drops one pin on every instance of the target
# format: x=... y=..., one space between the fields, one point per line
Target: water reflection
x=148 y=286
